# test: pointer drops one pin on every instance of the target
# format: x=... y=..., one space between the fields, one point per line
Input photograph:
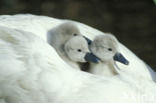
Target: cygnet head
x=77 y=50
x=105 y=47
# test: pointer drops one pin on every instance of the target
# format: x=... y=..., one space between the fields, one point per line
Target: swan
x=70 y=44
x=41 y=25
x=105 y=47
x=33 y=72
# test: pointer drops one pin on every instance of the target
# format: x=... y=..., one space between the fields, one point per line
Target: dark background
x=133 y=22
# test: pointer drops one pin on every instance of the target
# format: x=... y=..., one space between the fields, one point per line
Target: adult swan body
x=41 y=25
x=32 y=72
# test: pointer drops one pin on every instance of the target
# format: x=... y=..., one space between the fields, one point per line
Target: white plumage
x=40 y=25
x=32 y=71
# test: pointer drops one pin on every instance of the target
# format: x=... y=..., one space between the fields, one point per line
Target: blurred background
x=133 y=22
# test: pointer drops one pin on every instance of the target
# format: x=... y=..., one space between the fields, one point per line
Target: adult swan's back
x=32 y=72
x=40 y=25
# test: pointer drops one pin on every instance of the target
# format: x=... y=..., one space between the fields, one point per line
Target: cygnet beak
x=90 y=57
x=88 y=40
x=120 y=58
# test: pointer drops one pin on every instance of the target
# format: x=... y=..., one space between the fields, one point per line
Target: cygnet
x=70 y=44
x=105 y=47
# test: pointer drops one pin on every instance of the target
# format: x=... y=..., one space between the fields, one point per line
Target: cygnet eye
x=79 y=50
x=75 y=34
x=109 y=49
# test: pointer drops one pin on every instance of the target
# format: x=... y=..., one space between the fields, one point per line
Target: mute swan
x=105 y=47
x=40 y=25
x=70 y=44
x=33 y=72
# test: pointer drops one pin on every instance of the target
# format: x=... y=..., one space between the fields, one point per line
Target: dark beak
x=90 y=57
x=120 y=58
x=88 y=40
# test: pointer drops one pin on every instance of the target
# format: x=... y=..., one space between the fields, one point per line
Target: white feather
x=38 y=75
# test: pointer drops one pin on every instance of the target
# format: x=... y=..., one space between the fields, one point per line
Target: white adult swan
x=32 y=72
x=41 y=25
x=105 y=47
x=70 y=44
